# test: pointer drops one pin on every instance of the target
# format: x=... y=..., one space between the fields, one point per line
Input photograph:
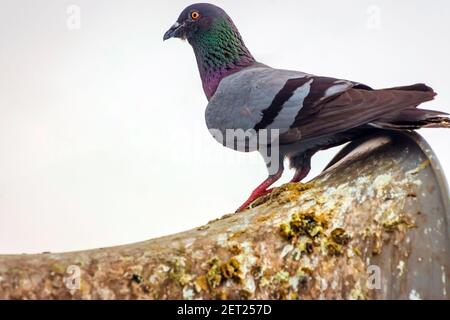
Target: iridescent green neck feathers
x=220 y=51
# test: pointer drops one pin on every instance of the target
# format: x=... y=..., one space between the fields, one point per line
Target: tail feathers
x=412 y=118
x=421 y=87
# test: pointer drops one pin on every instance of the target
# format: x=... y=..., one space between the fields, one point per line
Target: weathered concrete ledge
x=375 y=225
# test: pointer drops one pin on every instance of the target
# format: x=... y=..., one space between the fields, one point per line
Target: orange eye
x=195 y=15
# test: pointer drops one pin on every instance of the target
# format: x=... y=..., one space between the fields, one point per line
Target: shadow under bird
x=309 y=113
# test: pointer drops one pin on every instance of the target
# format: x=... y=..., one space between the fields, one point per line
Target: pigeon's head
x=196 y=19
x=217 y=44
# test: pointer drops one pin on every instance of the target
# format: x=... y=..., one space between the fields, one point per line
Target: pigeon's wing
x=264 y=98
x=303 y=106
x=356 y=106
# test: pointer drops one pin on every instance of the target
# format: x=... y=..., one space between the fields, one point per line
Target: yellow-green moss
x=231 y=269
x=339 y=236
x=334 y=249
x=377 y=243
x=397 y=223
x=305 y=245
x=201 y=283
x=15 y=271
x=357 y=251
x=58 y=268
x=303 y=223
x=281 y=276
x=214 y=276
x=235 y=249
x=286 y=193
x=220 y=271
x=178 y=272
x=336 y=241
x=236 y=235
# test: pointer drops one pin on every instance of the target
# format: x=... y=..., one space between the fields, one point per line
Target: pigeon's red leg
x=261 y=190
x=302 y=165
x=301 y=173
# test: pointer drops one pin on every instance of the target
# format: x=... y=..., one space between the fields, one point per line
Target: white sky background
x=102 y=134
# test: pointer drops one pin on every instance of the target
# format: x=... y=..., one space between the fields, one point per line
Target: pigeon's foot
x=254 y=196
x=261 y=190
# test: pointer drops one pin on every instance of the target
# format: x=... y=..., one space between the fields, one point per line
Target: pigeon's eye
x=195 y=15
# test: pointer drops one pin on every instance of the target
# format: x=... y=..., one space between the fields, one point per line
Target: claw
x=261 y=190
x=254 y=196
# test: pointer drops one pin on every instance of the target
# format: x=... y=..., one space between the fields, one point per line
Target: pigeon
x=299 y=113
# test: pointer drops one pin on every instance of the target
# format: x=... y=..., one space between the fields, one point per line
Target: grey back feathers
x=260 y=97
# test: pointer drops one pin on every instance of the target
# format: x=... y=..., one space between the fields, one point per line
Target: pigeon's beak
x=175 y=31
